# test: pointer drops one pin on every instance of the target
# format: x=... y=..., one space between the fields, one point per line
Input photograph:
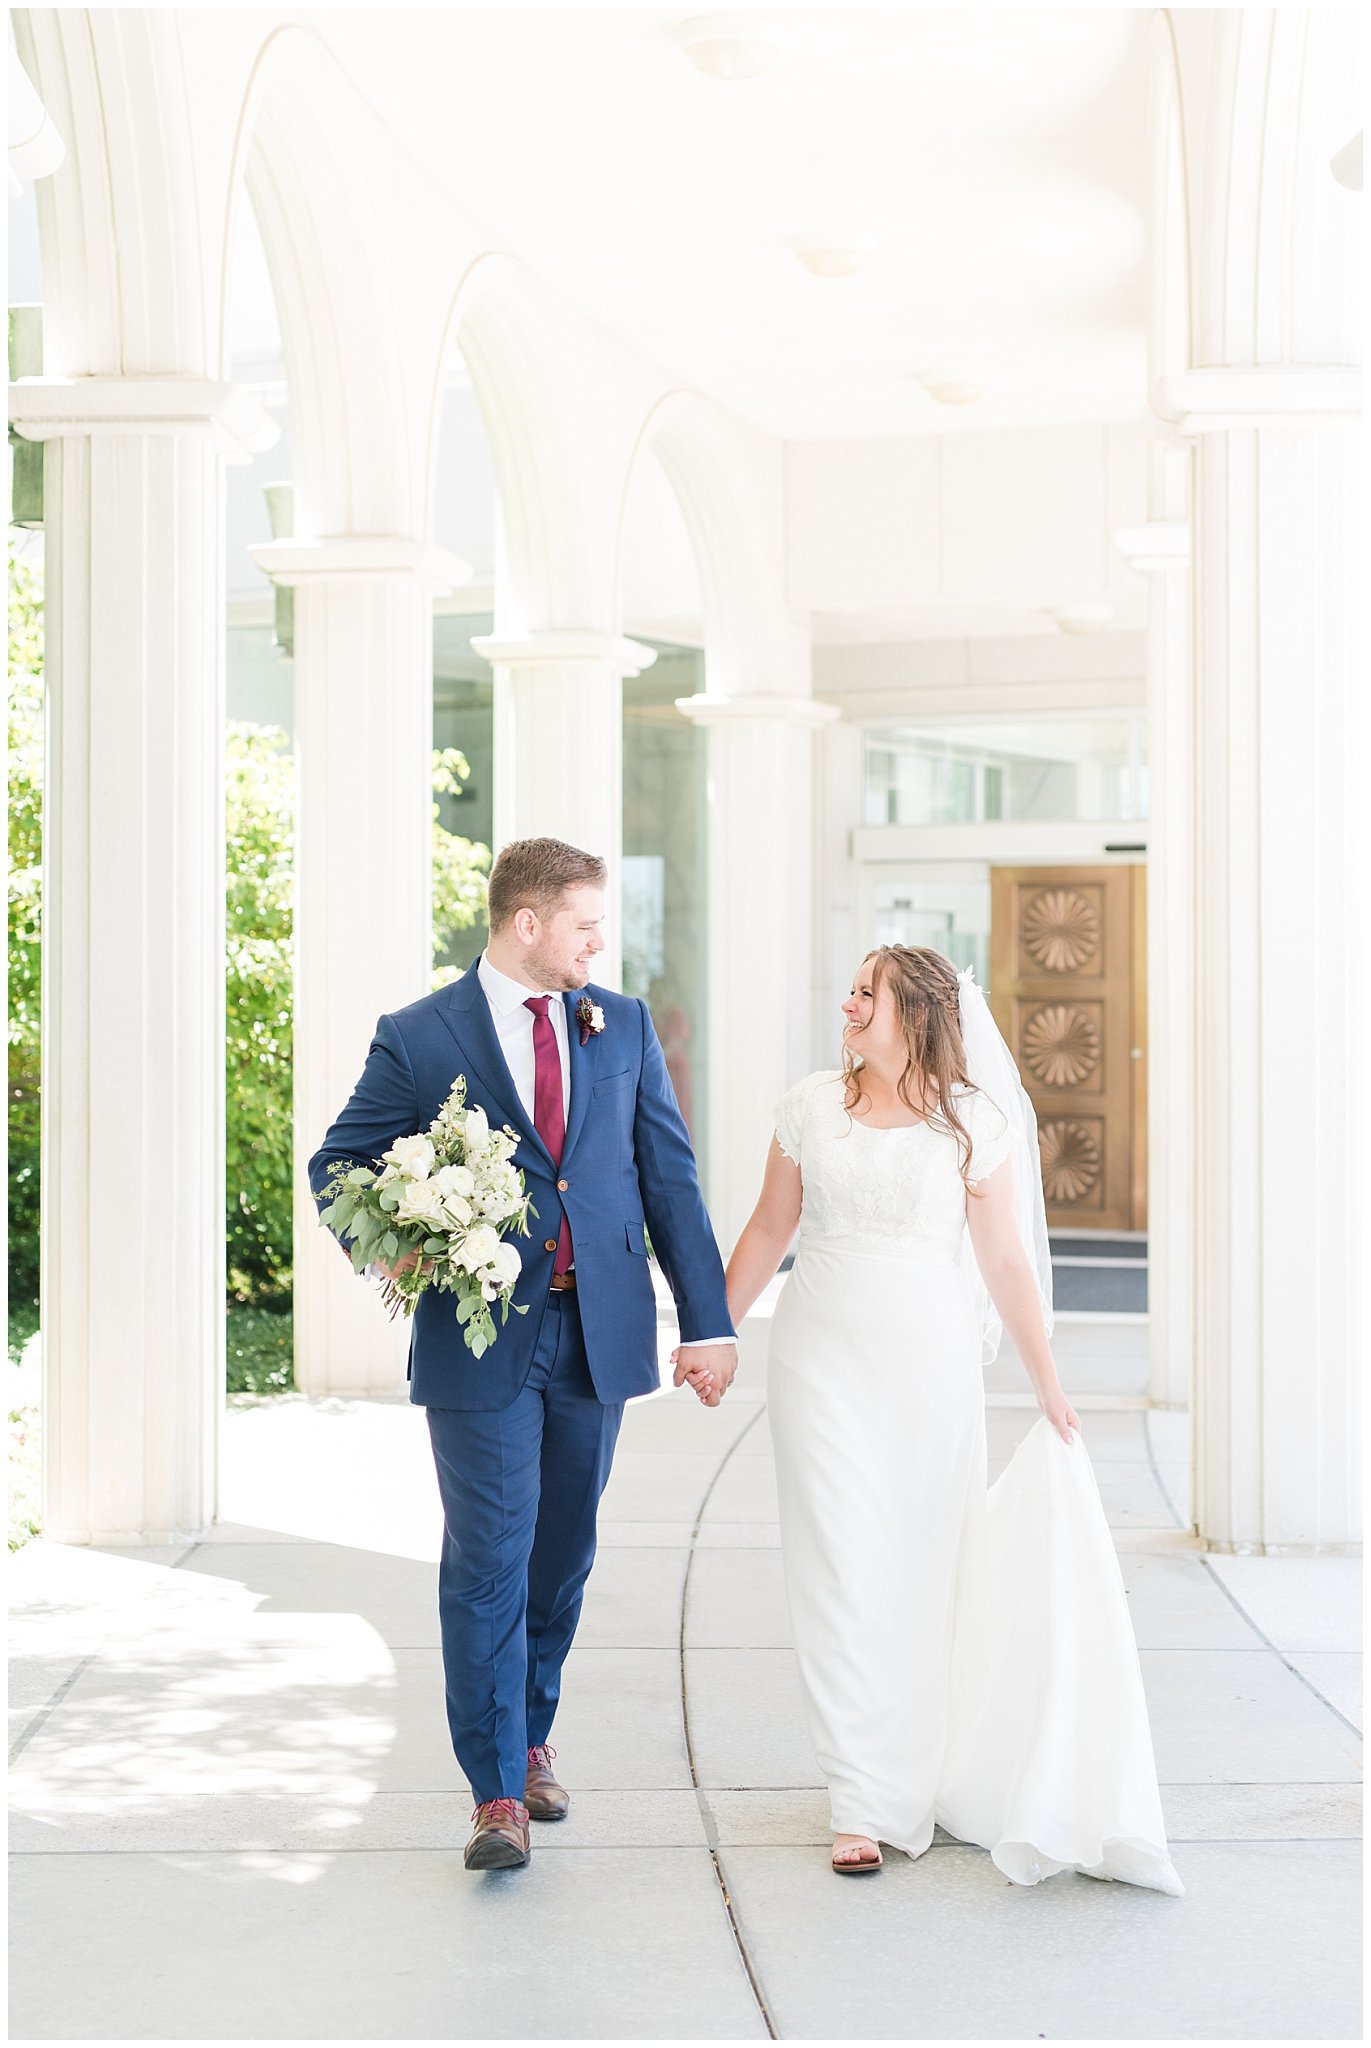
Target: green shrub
x=260 y=788
x=259 y=1349
x=24 y=905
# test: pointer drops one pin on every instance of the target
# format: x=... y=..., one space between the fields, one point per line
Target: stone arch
x=549 y=575
x=1266 y=97
x=126 y=289
x=699 y=450
x=298 y=162
x=1170 y=343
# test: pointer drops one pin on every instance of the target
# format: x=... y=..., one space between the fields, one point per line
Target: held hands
x=706 y=1368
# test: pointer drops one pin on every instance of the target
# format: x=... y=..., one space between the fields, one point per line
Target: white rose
x=454 y=1180
x=477 y=1247
x=597 y=1017
x=456 y=1210
x=478 y=1127
x=420 y=1202
x=413 y=1156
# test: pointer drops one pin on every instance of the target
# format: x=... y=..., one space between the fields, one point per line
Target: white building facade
x=703 y=572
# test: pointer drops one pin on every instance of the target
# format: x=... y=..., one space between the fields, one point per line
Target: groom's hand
x=708 y=1367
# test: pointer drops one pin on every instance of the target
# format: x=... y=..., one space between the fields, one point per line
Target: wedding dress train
x=966 y=1655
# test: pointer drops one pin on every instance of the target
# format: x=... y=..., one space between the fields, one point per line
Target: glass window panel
x=952 y=917
x=1049 y=770
x=464 y=717
x=663 y=879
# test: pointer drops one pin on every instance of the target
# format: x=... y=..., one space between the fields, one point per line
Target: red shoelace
x=514 y=1808
x=542 y=1756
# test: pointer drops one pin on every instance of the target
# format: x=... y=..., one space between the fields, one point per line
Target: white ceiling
x=996 y=158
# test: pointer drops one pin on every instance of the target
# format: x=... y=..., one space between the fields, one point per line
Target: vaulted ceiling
x=993 y=161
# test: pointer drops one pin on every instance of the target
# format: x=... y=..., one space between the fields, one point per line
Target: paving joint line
x=1206 y=1560
x=1231 y=1597
x=707 y=1816
x=1158 y=1481
x=612 y=1849
x=49 y=1707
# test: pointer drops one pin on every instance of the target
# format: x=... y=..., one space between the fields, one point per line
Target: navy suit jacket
x=626 y=1162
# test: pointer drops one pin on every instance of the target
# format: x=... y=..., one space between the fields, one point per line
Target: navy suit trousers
x=520 y=1487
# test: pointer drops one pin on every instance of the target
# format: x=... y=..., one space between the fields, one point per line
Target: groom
x=523 y=1438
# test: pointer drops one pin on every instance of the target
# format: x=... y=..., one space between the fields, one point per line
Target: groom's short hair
x=536 y=873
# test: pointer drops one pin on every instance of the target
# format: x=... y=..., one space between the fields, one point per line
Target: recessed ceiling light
x=1346 y=165
x=833 y=255
x=1083 y=618
x=729 y=45
x=953 y=387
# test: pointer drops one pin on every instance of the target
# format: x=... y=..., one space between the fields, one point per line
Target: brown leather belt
x=563 y=1282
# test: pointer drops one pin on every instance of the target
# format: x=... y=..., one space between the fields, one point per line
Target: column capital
x=1159 y=544
x=758 y=706
x=47 y=408
x=1212 y=401
x=296 y=561
x=614 y=650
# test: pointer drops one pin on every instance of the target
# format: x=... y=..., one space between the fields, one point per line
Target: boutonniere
x=591 y=1019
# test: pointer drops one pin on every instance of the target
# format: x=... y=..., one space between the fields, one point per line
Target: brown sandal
x=863 y=1865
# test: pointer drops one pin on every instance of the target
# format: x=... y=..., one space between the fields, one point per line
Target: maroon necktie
x=549 y=1117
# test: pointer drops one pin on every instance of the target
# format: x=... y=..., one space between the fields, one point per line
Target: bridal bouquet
x=446 y=1198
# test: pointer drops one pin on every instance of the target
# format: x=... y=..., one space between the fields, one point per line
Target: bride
x=966 y=1658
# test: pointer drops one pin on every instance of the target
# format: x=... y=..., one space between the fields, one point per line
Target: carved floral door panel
x=1066 y=980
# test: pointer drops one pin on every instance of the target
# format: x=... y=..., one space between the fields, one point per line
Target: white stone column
x=1279 y=767
x=133 y=954
x=559 y=750
x=1160 y=550
x=761 y=915
x=363 y=883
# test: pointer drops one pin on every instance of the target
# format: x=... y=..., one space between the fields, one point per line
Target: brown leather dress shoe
x=500 y=1841
x=543 y=1796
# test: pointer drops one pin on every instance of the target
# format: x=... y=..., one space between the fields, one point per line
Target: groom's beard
x=550 y=975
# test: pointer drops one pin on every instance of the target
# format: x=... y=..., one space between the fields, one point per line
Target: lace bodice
x=888 y=1187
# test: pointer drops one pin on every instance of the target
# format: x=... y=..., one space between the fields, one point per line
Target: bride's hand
x=401 y=1266
x=1061 y=1415
x=698 y=1378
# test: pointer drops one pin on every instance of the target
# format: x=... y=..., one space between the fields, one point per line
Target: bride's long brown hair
x=926 y=994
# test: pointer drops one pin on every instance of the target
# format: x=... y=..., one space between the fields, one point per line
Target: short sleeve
x=790 y=1119
x=990 y=1140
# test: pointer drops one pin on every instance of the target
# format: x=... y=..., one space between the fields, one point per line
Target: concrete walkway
x=237 y=1814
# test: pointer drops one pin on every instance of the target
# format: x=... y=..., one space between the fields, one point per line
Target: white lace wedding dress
x=966 y=1657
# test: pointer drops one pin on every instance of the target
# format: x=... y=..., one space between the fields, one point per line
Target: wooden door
x=1066 y=980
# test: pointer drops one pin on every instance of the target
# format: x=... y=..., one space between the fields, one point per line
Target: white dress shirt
x=514 y=1029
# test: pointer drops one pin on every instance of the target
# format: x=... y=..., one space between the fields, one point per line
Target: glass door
x=945 y=905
